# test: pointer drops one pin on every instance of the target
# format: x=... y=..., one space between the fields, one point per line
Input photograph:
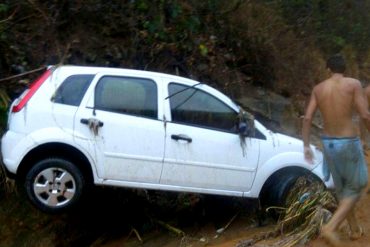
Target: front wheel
x=54 y=185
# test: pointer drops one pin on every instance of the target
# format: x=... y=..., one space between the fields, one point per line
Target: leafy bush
x=333 y=24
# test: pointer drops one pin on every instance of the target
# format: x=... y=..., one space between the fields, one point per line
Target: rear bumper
x=4 y=170
x=11 y=151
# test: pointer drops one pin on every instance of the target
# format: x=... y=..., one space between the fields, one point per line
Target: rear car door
x=67 y=98
x=203 y=149
x=118 y=123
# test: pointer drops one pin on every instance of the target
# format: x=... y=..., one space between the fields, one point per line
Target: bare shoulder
x=367 y=90
x=319 y=86
x=352 y=81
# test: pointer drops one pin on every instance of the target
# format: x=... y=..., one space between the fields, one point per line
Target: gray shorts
x=346 y=162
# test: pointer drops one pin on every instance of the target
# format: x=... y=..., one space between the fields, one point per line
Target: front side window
x=134 y=96
x=195 y=107
x=72 y=90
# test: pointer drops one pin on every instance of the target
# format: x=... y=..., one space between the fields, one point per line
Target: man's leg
x=352 y=221
x=355 y=228
x=329 y=230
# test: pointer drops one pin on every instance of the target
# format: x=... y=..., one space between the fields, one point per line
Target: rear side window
x=72 y=90
x=128 y=95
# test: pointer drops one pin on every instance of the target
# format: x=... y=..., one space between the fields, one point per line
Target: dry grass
x=7 y=185
x=309 y=206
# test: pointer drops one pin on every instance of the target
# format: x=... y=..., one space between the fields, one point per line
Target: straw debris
x=309 y=206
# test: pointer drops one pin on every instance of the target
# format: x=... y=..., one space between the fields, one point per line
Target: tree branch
x=22 y=74
x=10 y=17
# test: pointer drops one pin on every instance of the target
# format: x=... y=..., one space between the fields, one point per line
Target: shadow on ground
x=132 y=217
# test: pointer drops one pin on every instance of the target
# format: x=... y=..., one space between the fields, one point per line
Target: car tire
x=275 y=194
x=54 y=185
x=282 y=189
x=278 y=189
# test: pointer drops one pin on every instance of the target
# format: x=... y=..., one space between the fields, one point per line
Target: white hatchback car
x=77 y=126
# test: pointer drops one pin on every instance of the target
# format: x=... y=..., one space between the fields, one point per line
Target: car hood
x=291 y=144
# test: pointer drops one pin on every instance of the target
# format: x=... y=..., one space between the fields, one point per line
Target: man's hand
x=308 y=154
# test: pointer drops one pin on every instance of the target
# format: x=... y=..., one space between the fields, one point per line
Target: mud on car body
x=77 y=126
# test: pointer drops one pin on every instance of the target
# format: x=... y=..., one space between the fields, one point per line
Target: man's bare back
x=336 y=102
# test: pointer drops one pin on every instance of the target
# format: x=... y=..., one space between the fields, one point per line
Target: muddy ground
x=115 y=217
x=236 y=234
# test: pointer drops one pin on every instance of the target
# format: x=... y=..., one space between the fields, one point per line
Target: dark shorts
x=346 y=162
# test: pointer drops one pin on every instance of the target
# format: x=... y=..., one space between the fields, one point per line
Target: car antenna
x=169 y=96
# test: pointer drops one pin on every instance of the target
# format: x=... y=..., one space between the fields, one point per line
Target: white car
x=78 y=125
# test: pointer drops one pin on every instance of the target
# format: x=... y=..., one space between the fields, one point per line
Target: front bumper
x=319 y=171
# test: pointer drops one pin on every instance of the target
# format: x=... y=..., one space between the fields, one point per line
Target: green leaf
x=3 y=7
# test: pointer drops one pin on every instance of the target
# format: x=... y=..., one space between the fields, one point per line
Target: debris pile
x=309 y=205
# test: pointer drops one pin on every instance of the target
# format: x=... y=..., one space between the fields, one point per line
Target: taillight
x=31 y=91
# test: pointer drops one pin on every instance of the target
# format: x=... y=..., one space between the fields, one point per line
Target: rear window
x=72 y=90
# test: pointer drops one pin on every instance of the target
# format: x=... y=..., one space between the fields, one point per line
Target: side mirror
x=245 y=123
x=243 y=129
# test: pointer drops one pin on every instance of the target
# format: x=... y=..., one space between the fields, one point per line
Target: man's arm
x=367 y=94
x=306 y=128
x=361 y=104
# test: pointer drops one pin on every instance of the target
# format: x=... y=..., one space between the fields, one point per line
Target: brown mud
x=243 y=228
x=362 y=213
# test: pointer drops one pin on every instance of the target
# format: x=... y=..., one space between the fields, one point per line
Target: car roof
x=73 y=69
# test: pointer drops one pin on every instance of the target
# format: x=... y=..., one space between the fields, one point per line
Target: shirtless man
x=337 y=98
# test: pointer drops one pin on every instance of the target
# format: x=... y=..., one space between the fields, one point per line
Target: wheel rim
x=54 y=187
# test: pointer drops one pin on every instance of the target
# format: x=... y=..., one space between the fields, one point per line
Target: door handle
x=181 y=137
x=93 y=124
x=91 y=121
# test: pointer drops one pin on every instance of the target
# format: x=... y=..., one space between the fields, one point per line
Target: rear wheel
x=54 y=185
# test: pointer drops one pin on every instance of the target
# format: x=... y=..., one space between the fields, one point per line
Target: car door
x=203 y=149
x=67 y=98
x=119 y=125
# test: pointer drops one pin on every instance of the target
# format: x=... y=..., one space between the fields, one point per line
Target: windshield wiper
x=170 y=96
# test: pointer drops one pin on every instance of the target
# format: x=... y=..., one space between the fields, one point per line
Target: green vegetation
x=278 y=44
x=333 y=24
x=233 y=45
x=236 y=45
